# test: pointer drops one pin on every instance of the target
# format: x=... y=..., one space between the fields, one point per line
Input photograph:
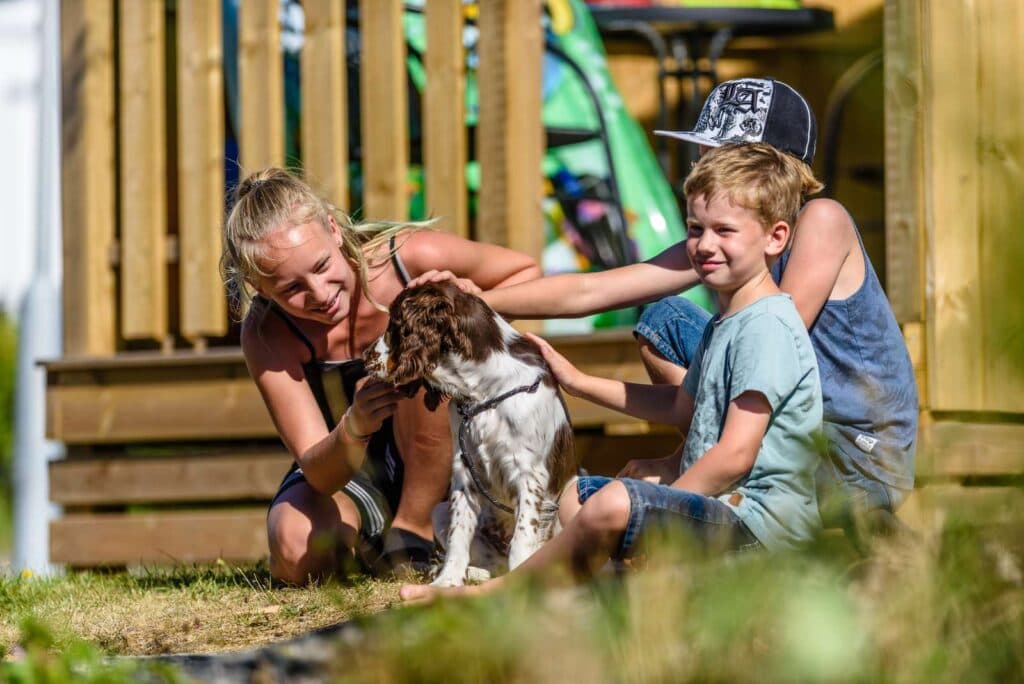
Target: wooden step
x=181 y=479
x=163 y=538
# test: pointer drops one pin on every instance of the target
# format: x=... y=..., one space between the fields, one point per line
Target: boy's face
x=727 y=244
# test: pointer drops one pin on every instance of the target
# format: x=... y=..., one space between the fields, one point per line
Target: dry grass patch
x=184 y=610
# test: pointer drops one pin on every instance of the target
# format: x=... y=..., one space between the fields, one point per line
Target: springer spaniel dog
x=510 y=428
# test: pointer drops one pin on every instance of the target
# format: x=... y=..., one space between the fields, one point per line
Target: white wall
x=19 y=146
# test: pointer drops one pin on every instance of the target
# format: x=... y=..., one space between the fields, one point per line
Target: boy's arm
x=667 y=404
x=732 y=457
x=580 y=294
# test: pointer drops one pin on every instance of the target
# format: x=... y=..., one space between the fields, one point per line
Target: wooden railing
x=143 y=144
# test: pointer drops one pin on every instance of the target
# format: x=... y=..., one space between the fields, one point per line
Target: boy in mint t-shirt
x=750 y=403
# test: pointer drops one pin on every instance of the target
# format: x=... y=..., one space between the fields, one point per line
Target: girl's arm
x=488 y=266
x=825 y=259
x=732 y=457
x=328 y=460
x=666 y=404
x=580 y=294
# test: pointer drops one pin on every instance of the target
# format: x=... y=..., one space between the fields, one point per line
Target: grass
x=951 y=610
x=179 y=610
x=8 y=346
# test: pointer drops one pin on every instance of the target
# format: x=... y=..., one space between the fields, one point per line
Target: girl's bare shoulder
x=828 y=218
x=267 y=340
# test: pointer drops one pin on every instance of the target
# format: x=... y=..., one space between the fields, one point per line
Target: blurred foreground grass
x=8 y=349
x=949 y=610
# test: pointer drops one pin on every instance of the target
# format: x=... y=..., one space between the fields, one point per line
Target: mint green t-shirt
x=765 y=348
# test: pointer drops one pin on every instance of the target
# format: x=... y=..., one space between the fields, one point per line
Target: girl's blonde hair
x=771 y=183
x=271 y=198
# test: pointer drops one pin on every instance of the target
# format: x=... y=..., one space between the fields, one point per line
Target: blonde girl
x=312 y=290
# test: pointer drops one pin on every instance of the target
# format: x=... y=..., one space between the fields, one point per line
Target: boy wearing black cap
x=867 y=380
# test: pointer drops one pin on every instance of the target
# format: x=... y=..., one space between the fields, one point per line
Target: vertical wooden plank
x=141 y=98
x=384 y=110
x=324 y=101
x=203 y=306
x=999 y=107
x=88 y=190
x=951 y=192
x=903 y=159
x=261 y=79
x=444 y=142
x=509 y=134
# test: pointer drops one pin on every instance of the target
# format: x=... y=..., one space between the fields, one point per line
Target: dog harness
x=469 y=411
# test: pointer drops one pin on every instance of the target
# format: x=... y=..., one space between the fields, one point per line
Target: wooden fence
x=143 y=144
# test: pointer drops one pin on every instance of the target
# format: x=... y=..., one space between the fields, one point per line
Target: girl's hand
x=374 y=402
x=435 y=276
x=568 y=376
x=657 y=470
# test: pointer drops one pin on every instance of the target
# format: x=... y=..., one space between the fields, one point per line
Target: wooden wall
x=144 y=145
x=955 y=151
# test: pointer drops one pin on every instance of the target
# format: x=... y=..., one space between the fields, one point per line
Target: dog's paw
x=476 y=575
x=447 y=581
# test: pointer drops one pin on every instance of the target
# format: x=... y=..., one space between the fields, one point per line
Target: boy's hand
x=657 y=470
x=435 y=276
x=567 y=375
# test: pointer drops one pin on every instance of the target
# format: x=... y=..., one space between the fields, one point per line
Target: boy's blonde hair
x=271 y=198
x=772 y=184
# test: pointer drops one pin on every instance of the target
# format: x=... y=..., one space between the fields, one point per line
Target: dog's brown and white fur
x=522 y=449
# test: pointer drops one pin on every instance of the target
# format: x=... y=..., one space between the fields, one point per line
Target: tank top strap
x=292 y=325
x=403 y=274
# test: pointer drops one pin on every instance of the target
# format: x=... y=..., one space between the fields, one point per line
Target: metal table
x=688 y=42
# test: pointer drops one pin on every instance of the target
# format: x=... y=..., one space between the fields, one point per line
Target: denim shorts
x=710 y=523
x=674 y=326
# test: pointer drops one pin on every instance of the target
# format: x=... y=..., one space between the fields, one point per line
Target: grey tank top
x=867 y=380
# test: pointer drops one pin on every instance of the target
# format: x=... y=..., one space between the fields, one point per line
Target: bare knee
x=660 y=370
x=606 y=512
x=308 y=544
x=288 y=535
x=568 y=502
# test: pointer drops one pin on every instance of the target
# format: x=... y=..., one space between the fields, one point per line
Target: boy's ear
x=778 y=238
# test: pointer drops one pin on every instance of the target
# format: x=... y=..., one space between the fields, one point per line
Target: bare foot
x=426 y=593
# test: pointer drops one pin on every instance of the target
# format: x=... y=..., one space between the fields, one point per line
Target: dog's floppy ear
x=432 y=398
x=410 y=389
x=418 y=315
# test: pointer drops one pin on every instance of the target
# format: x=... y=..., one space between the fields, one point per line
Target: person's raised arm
x=732 y=457
x=580 y=294
x=489 y=266
x=825 y=260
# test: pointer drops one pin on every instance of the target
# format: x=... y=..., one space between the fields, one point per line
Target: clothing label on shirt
x=866 y=443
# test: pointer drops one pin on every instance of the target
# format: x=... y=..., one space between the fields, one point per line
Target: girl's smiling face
x=306 y=273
